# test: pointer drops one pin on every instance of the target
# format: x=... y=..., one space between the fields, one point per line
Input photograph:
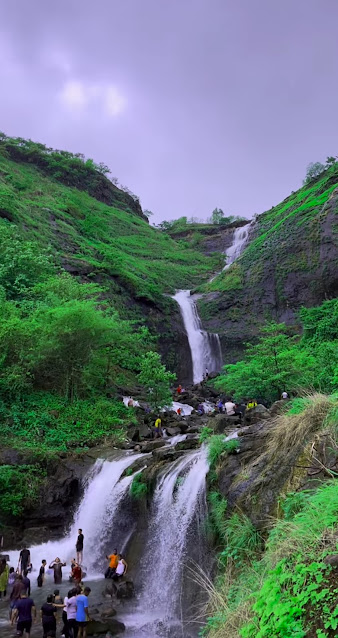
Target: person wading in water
x=57 y=566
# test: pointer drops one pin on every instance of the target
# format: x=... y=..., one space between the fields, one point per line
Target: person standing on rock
x=79 y=548
x=158 y=428
x=113 y=561
x=220 y=406
x=57 y=566
x=121 y=568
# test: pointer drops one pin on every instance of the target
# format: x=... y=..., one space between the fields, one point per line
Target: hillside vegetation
x=279 y=580
x=83 y=279
x=291 y=261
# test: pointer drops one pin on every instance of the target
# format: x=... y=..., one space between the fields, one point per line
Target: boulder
x=125 y=589
x=259 y=413
x=331 y=560
x=168 y=453
x=149 y=446
x=278 y=407
x=223 y=421
x=188 y=444
x=142 y=431
x=173 y=431
x=99 y=627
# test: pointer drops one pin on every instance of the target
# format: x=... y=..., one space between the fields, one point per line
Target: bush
x=218 y=445
x=139 y=487
x=20 y=488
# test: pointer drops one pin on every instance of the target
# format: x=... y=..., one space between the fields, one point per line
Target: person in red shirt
x=77 y=574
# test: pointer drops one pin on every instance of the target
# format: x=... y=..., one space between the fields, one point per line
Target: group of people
x=117 y=567
x=75 y=614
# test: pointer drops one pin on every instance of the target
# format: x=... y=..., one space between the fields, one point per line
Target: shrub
x=217 y=445
x=139 y=487
x=20 y=488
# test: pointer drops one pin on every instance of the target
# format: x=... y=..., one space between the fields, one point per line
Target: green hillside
x=87 y=236
x=290 y=261
x=84 y=287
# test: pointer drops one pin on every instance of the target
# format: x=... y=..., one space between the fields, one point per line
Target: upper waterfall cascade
x=239 y=240
x=205 y=347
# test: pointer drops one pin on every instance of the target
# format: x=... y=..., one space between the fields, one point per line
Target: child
x=57 y=598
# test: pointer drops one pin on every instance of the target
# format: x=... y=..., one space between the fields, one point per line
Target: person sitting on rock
x=200 y=409
x=113 y=558
x=179 y=389
x=76 y=574
x=252 y=403
x=121 y=568
x=285 y=395
x=231 y=409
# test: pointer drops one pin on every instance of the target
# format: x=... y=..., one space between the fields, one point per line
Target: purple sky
x=192 y=103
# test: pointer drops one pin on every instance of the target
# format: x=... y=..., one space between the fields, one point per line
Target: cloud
x=78 y=95
x=74 y=94
x=114 y=102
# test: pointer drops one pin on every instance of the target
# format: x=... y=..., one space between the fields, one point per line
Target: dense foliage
x=280 y=361
x=279 y=582
x=156 y=380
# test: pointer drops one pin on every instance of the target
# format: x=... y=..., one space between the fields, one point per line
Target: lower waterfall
x=173 y=537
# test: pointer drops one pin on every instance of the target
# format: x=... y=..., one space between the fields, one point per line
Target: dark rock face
x=53 y=513
x=253 y=480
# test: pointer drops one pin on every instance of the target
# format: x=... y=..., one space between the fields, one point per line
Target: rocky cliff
x=290 y=261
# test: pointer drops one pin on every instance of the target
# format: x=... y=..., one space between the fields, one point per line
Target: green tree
x=156 y=380
x=217 y=216
x=23 y=264
x=313 y=170
x=275 y=363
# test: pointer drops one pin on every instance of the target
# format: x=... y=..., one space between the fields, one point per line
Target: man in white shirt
x=230 y=408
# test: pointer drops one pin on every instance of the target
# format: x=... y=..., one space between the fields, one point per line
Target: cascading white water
x=178 y=498
x=95 y=516
x=205 y=347
x=239 y=240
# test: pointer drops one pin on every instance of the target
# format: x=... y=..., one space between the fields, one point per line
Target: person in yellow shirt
x=158 y=428
x=113 y=562
x=251 y=404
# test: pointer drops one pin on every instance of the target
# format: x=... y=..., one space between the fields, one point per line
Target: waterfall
x=205 y=347
x=96 y=516
x=239 y=240
x=177 y=513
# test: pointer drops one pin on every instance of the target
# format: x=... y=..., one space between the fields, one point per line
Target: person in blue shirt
x=82 y=615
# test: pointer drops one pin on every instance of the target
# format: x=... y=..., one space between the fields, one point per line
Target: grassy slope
x=96 y=239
